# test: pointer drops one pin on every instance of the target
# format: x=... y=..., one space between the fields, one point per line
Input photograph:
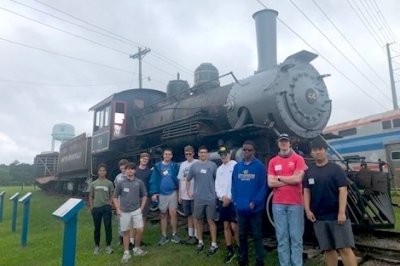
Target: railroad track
x=382 y=246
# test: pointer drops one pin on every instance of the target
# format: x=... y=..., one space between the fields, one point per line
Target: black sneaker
x=199 y=247
x=229 y=257
x=212 y=250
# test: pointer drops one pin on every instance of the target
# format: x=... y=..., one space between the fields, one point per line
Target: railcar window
x=102 y=118
x=387 y=124
x=107 y=116
x=119 y=107
x=97 y=119
x=348 y=132
x=396 y=122
x=119 y=118
x=395 y=155
x=138 y=103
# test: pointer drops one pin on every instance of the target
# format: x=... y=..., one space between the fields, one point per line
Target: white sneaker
x=109 y=250
x=126 y=257
x=139 y=252
x=96 y=250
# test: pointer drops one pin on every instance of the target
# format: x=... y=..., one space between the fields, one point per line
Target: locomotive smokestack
x=266 y=38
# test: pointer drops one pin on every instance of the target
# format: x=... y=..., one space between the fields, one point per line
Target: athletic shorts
x=331 y=235
x=228 y=213
x=131 y=218
x=167 y=202
x=188 y=207
x=204 y=208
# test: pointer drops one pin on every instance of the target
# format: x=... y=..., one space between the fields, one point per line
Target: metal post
x=69 y=244
x=392 y=83
x=140 y=67
x=68 y=213
x=2 y=205
x=14 y=199
x=25 y=222
x=139 y=55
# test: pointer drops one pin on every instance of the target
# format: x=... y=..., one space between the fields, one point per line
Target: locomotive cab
x=115 y=117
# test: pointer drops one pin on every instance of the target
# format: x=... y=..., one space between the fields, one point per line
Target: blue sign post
x=1 y=205
x=68 y=213
x=14 y=199
x=26 y=199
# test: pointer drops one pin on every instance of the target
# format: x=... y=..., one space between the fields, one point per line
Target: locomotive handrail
x=188 y=90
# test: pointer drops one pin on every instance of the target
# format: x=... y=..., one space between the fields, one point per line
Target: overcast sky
x=54 y=66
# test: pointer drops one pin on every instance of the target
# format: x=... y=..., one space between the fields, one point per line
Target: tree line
x=17 y=173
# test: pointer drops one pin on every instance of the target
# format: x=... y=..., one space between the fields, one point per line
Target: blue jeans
x=253 y=223
x=289 y=228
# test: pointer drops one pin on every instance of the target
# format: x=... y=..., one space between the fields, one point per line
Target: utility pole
x=392 y=83
x=140 y=55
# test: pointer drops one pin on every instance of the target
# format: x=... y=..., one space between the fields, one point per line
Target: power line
x=349 y=43
x=328 y=61
x=61 y=85
x=337 y=49
x=366 y=27
x=385 y=22
x=119 y=37
x=67 y=56
x=81 y=37
x=374 y=19
x=64 y=31
x=70 y=22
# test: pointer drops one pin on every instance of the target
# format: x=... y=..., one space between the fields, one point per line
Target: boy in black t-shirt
x=325 y=200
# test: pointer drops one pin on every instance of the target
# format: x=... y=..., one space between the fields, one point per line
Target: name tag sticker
x=278 y=167
x=311 y=181
x=203 y=171
x=126 y=189
x=105 y=189
x=165 y=172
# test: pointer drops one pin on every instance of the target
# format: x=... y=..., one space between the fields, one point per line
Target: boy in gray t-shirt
x=127 y=196
x=203 y=172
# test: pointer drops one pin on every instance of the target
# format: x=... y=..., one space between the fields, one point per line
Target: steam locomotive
x=289 y=97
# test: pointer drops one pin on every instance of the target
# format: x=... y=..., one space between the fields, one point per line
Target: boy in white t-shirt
x=223 y=186
x=184 y=199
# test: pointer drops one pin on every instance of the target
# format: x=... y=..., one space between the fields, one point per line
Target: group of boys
x=131 y=203
x=239 y=190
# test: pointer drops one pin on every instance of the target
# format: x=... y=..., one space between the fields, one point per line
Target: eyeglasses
x=248 y=150
x=188 y=153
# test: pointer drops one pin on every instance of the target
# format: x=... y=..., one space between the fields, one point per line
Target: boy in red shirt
x=285 y=176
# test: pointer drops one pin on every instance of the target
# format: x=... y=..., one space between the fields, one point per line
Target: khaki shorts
x=167 y=202
x=134 y=218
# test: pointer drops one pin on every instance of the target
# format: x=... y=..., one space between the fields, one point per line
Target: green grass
x=46 y=232
x=396 y=200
